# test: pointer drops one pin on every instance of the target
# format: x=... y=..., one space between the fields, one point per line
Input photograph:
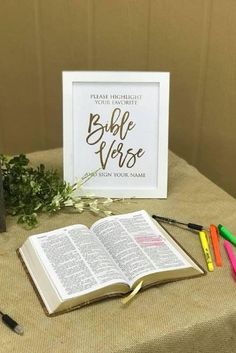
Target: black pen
x=173 y=221
x=12 y=324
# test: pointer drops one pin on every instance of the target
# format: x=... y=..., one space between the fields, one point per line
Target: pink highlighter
x=231 y=255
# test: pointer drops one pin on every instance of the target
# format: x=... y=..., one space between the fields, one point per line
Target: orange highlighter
x=216 y=244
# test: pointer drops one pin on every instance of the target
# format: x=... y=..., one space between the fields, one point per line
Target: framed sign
x=116 y=123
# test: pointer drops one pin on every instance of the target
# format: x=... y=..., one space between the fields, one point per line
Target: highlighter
x=206 y=250
x=231 y=255
x=225 y=233
x=215 y=244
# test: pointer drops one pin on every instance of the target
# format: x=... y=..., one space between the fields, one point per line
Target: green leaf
x=29 y=192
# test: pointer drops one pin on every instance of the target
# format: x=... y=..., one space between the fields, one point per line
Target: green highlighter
x=225 y=233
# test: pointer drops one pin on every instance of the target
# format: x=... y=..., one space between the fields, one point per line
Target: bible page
x=76 y=261
x=138 y=246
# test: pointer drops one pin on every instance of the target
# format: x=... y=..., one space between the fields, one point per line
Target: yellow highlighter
x=206 y=250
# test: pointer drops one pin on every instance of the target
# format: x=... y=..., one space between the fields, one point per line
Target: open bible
x=75 y=265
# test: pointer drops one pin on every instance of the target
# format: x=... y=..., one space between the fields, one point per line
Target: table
x=194 y=315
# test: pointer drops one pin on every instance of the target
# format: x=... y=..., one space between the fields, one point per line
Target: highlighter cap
x=210 y=267
x=213 y=226
x=225 y=233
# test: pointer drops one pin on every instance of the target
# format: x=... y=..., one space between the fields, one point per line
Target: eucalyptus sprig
x=30 y=191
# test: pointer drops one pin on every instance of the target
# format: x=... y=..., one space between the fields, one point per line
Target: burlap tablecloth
x=195 y=315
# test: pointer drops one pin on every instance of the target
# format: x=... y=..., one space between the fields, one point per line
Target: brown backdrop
x=194 y=40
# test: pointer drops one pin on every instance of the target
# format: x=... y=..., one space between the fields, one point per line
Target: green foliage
x=29 y=191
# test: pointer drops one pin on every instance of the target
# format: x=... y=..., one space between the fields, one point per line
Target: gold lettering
x=127 y=158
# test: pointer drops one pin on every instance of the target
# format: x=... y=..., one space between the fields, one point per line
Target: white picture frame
x=116 y=123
